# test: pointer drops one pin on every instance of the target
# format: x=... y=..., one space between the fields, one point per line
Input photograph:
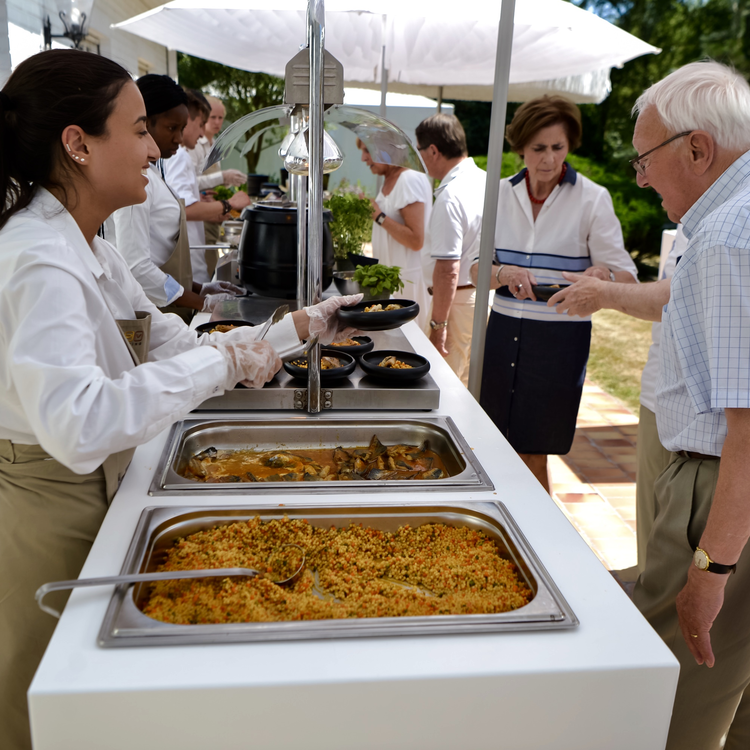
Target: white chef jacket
x=198 y=157
x=576 y=228
x=145 y=235
x=67 y=380
x=180 y=176
x=456 y=220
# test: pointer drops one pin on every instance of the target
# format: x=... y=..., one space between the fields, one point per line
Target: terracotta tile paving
x=594 y=484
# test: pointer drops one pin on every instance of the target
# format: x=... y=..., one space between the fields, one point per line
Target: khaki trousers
x=652 y=458
x=706 y=698
x=49 y=518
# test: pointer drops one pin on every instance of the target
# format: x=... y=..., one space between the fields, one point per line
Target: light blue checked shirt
x=705 y=364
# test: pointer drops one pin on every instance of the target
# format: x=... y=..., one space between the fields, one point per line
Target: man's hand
x=698 y=604
x=583 y=297
x=438 y=337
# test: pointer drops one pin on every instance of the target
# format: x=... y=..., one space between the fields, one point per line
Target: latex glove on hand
x=217 y=287
x=233 y=177
x=252 y=363
x=324 y=319
x=210 y=301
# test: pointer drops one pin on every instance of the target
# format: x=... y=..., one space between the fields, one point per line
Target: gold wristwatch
x=702 y=561
x=435 y=325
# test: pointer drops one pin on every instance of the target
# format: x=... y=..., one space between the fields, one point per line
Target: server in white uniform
x=180 y=176
x=549 y=220
x=152 y=236
x=77 y=396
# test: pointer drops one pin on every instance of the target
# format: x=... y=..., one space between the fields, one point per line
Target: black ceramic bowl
x=356 y=317
x=544 y=291
x=208 y=327
x=365 y=345
x=348 y=363
x=370 y=363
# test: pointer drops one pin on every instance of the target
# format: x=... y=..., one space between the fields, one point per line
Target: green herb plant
x=222 y=193
x=379 y=278
x=351 y=222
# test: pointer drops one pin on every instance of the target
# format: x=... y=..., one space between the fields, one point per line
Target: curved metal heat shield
x=386 y=142
x=226 y=141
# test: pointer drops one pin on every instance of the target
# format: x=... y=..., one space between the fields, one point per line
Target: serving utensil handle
x=165 y=575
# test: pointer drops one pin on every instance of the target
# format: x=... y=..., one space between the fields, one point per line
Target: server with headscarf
x=153 y=236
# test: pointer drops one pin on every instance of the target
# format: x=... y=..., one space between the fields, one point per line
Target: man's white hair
x=703 y=96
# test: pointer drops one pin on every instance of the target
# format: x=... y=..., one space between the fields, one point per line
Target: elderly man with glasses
x=693 y=139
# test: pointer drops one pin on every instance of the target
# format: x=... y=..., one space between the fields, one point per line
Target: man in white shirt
x=214 y=175
x=180 y=176
x=453 y=237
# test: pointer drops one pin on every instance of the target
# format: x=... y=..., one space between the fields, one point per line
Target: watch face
x=700 y=559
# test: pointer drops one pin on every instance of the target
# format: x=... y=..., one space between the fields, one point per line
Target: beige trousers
x=458 y=336
x=652 y=458
x=706 y=698
x=49 y=518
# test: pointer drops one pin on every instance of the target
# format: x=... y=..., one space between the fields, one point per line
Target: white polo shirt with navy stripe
x=576 y=228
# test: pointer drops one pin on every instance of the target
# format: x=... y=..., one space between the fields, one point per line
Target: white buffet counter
x=606 y=685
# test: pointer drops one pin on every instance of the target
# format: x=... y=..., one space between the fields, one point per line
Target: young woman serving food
x=77 y=399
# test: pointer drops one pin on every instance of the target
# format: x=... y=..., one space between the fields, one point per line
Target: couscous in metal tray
x=534 y=604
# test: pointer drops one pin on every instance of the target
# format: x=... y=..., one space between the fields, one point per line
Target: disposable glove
x=210 y=301
x=217 y=287
x=252 y=363
x=233 y=177
x=324 y=319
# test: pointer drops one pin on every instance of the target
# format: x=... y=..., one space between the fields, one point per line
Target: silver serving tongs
x=277 y=317
x=166 y=575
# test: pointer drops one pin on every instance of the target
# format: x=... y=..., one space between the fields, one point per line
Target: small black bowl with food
x=394 y=366
x=356 y=346
x=379 y=316
x=221 y=326
x=333 y=365
x=544 y=291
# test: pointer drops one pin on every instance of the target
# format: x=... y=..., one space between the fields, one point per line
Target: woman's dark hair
x=44 y=95
x=540 y=113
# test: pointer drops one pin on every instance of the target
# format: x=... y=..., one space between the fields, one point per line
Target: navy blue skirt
x=533 y=379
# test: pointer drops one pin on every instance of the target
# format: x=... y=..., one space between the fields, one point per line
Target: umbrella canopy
x=556 y=46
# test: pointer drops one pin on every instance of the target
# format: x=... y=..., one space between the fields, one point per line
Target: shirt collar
x=55 y=215
x=570 y=176
x=462 y=166
x=719 y=192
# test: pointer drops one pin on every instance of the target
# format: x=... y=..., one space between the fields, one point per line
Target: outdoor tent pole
x=494 y=164
x=316 y=28
x=383 y=88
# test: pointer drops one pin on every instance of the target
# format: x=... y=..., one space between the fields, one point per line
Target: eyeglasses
x=423 y=148
x=641 y=168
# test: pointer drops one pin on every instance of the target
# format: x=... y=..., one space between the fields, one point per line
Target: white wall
x=26 y=17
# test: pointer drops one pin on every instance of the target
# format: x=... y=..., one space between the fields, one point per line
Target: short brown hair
x=540 y=113
x=446 y=133
x=197 y=104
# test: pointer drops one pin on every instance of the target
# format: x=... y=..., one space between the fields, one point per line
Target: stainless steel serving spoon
x=167 y=575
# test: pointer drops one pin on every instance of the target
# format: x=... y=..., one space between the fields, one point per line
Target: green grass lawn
x=619 y=349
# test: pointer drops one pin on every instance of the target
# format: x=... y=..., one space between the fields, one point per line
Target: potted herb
x=378 y=281
x=351 y=224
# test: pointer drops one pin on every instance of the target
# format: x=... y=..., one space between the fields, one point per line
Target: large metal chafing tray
x=191 y=436
x=126 y=625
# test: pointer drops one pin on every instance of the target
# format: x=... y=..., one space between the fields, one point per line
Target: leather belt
x=698 y=456
x=458 y=288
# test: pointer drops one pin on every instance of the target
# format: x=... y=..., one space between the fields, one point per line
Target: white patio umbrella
x=422 y=46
